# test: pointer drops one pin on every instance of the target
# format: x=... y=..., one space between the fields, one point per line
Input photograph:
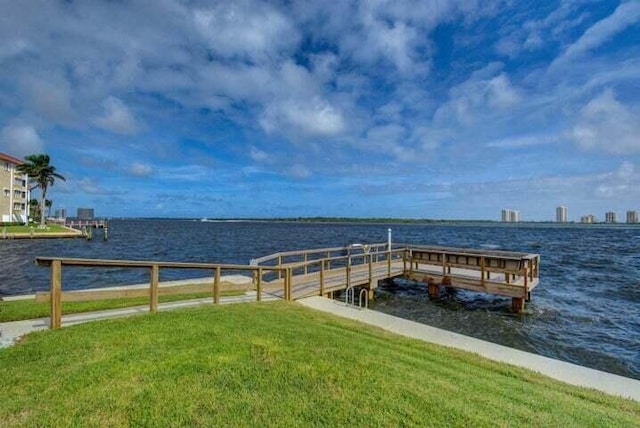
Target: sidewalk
x=11 y=331
x=566 y=372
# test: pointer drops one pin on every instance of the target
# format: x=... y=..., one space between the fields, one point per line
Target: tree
x=41 y=173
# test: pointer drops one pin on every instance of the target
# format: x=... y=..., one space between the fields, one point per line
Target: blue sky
x=414 y=109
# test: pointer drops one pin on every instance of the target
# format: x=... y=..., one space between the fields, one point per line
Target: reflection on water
x=585 y=309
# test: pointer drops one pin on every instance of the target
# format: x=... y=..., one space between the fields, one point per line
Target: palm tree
x=49 y=204
x=42 y=174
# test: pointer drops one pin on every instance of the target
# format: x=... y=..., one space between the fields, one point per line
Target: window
x=7 y=192
x=7 y=166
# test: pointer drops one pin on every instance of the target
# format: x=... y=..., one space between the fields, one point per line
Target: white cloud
x=298 y=171
x=117 y=117
x=140 y=170
x=608 y=125
x=253 y=30
x=51 y=99
x=315 y=117
x=626 y=14
x=21 y=140
x=482 y=95
x=522 y=141
x=258 y=155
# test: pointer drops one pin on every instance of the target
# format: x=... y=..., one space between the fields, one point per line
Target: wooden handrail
x=301 y=253
x=47 y=261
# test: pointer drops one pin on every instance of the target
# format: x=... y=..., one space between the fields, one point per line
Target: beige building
x=14 y=199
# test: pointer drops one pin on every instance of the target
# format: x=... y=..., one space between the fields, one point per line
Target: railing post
x=370 y=272
x=279 y=265
x=389 y=263
x=329 y=261
x=290 y=291
x=153 y=294
x=322 y=277
x=305 y=259
x=482 y=266
x=216 y=286
x=56 y=294
x=348 y=269
x=259 y=285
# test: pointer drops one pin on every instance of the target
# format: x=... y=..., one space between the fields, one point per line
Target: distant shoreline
x=376 y=220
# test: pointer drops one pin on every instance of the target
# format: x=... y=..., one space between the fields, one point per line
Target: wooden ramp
x=336 y=279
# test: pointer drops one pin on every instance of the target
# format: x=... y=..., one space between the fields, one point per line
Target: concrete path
x=560 y=370
x=11 y=331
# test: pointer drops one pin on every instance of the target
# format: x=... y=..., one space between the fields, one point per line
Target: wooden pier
x=87 y=226
x=297 y=274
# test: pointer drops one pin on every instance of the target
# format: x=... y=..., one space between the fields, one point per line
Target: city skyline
x=406 y=109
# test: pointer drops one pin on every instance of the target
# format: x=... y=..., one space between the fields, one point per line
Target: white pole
x=389 y=239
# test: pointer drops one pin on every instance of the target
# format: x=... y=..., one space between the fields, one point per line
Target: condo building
x=510 y=216
x=14 y=199
x=589 y=218
x=610 y=217
x=561 y=214
x=632 y=217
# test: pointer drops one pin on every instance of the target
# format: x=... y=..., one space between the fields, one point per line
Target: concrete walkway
x=12 y=331
x=560 y=370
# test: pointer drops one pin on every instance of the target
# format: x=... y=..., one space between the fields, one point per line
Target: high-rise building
x=61 y=213
x=632 y=216
x=610 y=217
x=14 y=199
x=510 y=216
x=589 y=218
x=561 y=214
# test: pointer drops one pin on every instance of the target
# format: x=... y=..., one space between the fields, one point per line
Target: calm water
x=585 y=310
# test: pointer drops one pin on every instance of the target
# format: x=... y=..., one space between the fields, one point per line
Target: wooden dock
x=297 y=274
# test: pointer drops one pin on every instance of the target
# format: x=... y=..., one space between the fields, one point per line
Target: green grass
x=274 y=364
x=16 y=310
x=50 y=228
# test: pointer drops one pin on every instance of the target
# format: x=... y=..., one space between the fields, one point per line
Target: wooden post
x=482 y=262
x=389 y=263
x=348 y=269
x=306 y=259
x=444 y=264
x=216 y=286
x=370 y=296
x=322 y=277
x=153 y=294
x=329 y=261
x=517 y=304
x=56 y=294
x=259 y=285
x=404 y=262
x=290 y=276
x=279 y=265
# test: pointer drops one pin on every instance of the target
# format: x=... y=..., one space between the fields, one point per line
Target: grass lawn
x=274 y=364
x=50 y=228
x=16 y=310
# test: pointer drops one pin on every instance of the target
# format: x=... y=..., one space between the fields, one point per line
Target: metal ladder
x=350 y=298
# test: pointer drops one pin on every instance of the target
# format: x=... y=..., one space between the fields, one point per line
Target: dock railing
x=57 y=296
x=317 y=263
x=308 y=272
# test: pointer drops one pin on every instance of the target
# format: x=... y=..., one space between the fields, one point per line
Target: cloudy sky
x=415 y=109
